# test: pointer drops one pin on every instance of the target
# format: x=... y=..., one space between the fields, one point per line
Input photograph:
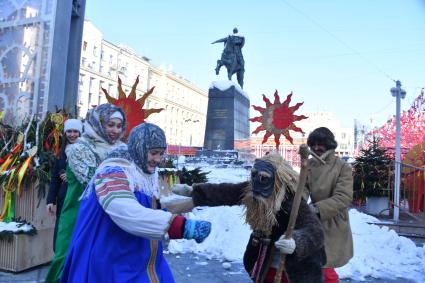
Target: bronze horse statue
x=232 y=57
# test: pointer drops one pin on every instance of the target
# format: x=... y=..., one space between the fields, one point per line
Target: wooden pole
x=304 y=153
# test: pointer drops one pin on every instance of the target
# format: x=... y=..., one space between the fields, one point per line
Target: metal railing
x=412 y=191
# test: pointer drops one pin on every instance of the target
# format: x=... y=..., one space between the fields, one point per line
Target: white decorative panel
x=26 y=33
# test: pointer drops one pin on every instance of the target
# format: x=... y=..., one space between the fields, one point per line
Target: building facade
x=185 y=105
x=343 y=135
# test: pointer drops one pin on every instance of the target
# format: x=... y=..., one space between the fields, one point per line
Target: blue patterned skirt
x=101 y=251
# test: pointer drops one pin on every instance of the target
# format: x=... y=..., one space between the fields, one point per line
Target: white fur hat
x=73 y=124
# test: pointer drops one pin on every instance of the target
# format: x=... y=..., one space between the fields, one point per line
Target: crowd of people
x=110 y=223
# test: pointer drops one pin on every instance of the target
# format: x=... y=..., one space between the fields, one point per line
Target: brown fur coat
x=305 y=264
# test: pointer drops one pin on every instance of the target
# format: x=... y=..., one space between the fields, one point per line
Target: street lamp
x=398 y=93
x=191 y=129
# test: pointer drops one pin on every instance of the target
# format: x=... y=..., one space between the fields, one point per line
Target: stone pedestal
x=227 y=116
x=26 y=251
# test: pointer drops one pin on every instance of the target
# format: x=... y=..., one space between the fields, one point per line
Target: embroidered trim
x=151 y=270
x=111 y=196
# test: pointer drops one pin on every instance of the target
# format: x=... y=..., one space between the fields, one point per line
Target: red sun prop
x=278 y=118
x=132 y=107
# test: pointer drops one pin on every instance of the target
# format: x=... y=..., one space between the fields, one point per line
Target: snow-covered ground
x=378 y=252
x=15 y=227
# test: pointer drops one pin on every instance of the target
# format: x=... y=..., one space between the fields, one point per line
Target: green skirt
x=67 y=221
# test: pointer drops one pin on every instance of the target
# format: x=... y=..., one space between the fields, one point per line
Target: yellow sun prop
x=278 y=118
x=132 y=107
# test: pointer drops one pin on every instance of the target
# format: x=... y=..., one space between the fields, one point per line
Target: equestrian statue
x=232 y=57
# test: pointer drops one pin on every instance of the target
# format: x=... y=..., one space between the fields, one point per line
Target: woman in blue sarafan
x=117 y=237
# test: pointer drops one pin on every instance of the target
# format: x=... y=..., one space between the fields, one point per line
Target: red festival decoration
x=412 y=127
x=132 y=107
x=278 y=118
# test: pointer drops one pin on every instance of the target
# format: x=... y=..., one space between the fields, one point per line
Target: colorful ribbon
x=8 y=209
x=7 y=159
x=24 y=167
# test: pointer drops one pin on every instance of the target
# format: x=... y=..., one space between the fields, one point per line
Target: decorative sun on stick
x=278 y=118
x=132 y=107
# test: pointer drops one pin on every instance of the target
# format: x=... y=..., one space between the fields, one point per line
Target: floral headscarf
x=98 y=117
x=142 y=139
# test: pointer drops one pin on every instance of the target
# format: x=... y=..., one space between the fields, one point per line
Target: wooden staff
x=304 y=153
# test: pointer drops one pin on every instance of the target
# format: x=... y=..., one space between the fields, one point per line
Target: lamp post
x=398 y=93
x=191 y=129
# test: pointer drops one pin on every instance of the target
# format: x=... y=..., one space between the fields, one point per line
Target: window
x=111 y=59
x=80 y=85
x=83 y=61
x=91 y=86
x=84 y=45
x=101 y=95
x=81 y=79
x=95 y=51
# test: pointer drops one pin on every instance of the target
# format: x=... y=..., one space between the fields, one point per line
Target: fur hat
x=73 y=124
x=323 y=136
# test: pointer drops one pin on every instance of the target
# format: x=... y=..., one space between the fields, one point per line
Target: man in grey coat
x=330 y=187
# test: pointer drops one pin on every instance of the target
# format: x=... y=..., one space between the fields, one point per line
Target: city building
x=343 y=135
x=185 y=104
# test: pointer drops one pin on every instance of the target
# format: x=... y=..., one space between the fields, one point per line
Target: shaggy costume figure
x=268 y=198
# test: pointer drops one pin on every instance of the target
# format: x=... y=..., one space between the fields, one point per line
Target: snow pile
x=15 y=227
x=227 y=175
x=228 y=238
x=381 y=253
x=226 y=84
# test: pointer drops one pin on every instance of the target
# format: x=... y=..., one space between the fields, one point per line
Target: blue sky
x=338 y=56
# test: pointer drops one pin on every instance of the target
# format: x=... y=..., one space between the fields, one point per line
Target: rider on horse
x=232 y=56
